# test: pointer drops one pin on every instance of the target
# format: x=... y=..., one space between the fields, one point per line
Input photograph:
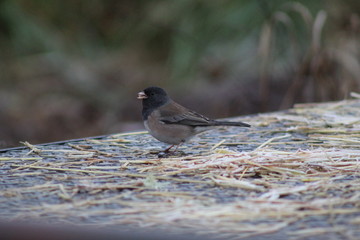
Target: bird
x=170 y=122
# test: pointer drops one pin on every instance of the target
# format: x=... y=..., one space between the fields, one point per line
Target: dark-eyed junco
x=171 y=123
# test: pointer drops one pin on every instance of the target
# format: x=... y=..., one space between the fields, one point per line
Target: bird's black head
x=152 y=98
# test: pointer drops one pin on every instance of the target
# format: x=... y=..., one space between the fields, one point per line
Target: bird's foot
x=167 y=152
x=164 y=154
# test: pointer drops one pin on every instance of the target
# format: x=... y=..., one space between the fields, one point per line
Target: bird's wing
x=177 y=114
x=190 y=118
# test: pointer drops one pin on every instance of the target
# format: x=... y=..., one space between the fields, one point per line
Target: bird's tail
x=224 y=123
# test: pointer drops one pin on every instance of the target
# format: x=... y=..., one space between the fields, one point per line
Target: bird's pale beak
x=142 y=95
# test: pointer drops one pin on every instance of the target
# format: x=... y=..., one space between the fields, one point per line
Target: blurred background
x=71 y=69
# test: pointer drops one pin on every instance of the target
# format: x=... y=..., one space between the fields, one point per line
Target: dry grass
x=301 y=177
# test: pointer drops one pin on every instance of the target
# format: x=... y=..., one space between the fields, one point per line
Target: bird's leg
x=168 y=149
x=177 y=146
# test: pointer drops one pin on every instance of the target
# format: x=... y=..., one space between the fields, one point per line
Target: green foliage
x=182 y=33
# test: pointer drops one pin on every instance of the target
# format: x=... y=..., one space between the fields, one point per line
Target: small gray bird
x=171 y=123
